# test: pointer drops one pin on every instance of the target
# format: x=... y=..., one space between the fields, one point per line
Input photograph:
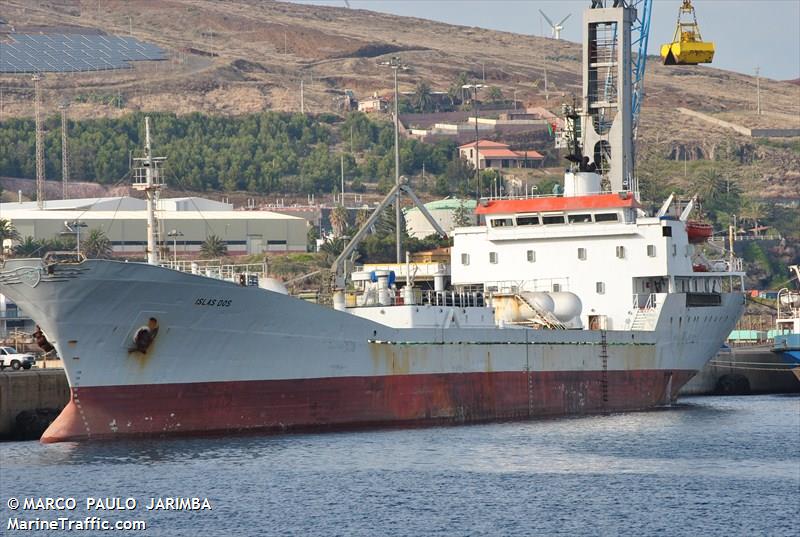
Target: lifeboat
x=698 y=232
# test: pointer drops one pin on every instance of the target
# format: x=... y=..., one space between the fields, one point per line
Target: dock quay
x=30 y=401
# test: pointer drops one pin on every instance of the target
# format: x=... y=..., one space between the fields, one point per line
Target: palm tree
x=213 y=247
x=422 y=97
x=27 y=247
x=454 y=93
x=331 y=248
x=361 y=217
x=458 y=85
x=339 y=220
x=495 y=94
x=752 y=210
x=711 y=184
x=97 y=245
x=7 y=231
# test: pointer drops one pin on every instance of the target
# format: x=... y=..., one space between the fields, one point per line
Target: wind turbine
x=555 y=28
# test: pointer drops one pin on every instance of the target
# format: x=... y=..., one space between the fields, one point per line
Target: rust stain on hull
x=347 y=402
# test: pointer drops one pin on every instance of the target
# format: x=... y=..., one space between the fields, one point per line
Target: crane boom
x=641 y=35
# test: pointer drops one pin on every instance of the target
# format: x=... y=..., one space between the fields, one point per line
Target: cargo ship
x=570 y=304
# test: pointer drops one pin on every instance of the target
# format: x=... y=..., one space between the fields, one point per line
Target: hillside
x=245 y=56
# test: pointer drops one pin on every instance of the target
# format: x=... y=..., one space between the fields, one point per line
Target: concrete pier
x=29 y=400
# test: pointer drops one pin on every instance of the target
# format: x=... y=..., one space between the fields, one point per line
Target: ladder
x=542 y=317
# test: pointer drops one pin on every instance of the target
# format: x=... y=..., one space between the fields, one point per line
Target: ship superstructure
x=562 y=305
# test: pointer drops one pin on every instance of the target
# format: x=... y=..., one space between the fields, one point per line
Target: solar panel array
x=61 y=53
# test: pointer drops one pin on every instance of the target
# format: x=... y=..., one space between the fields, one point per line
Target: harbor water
x=706 y=466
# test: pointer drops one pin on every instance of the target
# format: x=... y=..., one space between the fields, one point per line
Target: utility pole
x=396 y=64
x=302 y=102
x=37 y=89
x=758 y=91
x=343 y=179
x=476 y=87
x=64 y=150
x=685 y=168
x=546 y=90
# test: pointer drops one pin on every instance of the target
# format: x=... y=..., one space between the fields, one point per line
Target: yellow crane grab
x=687 y=47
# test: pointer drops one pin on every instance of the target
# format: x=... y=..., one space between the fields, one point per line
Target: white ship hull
x=230 y=358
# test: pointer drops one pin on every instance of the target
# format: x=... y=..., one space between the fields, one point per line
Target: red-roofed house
x=498 y=155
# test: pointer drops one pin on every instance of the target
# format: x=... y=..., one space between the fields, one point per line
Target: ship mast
x=147 y=177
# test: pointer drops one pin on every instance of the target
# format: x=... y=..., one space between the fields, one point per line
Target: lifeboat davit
x=698 y=232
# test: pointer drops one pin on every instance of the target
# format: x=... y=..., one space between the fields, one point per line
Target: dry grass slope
x=243 y=56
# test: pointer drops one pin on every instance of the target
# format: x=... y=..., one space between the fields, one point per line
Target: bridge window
x=582 y=254
x=621 y=252
x=579 y=218
x=493 y=258
x=531 y=256
x=556 y=287
x=606 y=217
x=651 y=250
x=600 y=287
x=553 y=219
x=528 y=220
x=502 y=222
x=465 y=259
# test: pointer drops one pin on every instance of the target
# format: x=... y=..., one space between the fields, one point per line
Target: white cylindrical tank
x=384 y=293
x=271 y=284
x=541 y=301
x=382 y=277
x=581 y=184
x=566 y=306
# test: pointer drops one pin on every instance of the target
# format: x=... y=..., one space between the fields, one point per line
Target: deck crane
x=616 y=36
x=640 y=31
x=640 y=34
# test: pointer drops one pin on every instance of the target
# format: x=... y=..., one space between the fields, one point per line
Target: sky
x=747 y=33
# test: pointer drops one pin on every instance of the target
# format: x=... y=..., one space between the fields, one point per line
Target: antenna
x=555 y=29
x=37 y=89
x=64 y=149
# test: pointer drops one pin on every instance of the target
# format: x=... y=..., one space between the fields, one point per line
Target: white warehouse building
x=191 y=221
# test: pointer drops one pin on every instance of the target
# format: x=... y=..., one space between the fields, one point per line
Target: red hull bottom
x=349 y=402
